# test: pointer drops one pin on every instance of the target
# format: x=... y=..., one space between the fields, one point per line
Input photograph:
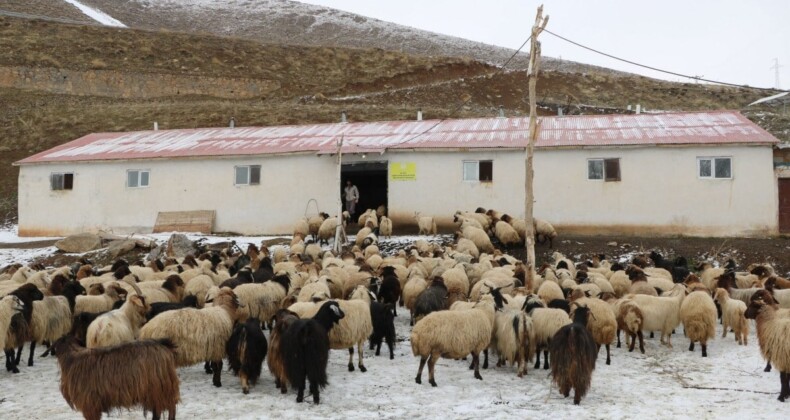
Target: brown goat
x=139 y=373
x=282 y=320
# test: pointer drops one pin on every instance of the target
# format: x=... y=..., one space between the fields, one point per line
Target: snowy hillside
x=291 y=22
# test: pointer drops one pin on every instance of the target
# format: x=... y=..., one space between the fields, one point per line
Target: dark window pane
x=595 y=169
x=68 y=181
x=486 y=170
x=131 y=179
x=704 y=168
x=723 y=168
x=144 y=179
x=56 y=181
x=255 y=174
x=242 y=175
x=612 y=169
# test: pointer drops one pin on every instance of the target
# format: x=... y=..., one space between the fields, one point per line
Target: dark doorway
x=784 y=205
x=371 y=180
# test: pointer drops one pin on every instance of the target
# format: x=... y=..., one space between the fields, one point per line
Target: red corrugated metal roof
x=717 y=127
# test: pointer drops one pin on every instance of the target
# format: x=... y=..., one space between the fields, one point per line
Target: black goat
x=264 y=272
x=189 y=301
x=246 y=350
x=433 y=298
x=389 y=292
x=305 y=345
x=678 y=268
x=560 y=304
x=19 y=329
x=383 y=327
x=573 y=353
x=242 y=277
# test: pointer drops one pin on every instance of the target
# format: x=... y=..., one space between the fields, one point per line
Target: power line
x=658 y=69
x=456 y=109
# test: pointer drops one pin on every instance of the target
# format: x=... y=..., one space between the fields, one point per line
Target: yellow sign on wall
x=403 y=171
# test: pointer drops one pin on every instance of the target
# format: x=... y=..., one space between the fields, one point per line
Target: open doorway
x=371 y=180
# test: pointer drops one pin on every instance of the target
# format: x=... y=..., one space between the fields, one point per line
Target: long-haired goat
x=246 y=350
x=305 y=345
x=573 y=352
x=139 y=373
x=773 y=334
x=19 y=331
x=276 y=361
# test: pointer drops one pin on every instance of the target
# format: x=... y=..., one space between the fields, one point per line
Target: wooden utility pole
x=532 y=77
x=340 y=232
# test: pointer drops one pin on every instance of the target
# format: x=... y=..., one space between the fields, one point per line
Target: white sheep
x=661 y=313
x=602 y=324
x=9 y=306
x=698 y=314
x=453 y=334
x=199 y=334
x=544 y=231
x=302 y=227
x=327 y=230
x=549 y=291
x=546 y=322
x=479 y=237
x=482 y=219
x=261 y=300
x=514 y=338
x=317 y=285
x=385 y=227
x=425 y=224
x=353 y=329
x=118 y=326
x=732 y=316
x=113 y=292
x=506 y=234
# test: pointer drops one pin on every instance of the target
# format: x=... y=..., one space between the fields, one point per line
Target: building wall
x=659 y=192
x=100 y=199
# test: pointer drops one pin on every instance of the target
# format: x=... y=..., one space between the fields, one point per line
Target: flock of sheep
x=119 y=332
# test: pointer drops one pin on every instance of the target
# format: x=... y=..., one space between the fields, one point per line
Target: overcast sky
x=728 y=40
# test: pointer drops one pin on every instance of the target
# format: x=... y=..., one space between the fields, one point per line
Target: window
x=715 y=167
x=248 y=175
x=479 y=170
x=603 y=169
x=61 y=181
x=136 y=178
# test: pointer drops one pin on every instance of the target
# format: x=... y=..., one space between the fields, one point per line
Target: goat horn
x=135 y=287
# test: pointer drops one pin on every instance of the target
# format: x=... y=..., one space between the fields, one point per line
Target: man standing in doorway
x=352 y=197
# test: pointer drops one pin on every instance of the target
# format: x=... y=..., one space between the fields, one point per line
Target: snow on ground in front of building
x=665 y=383
x=96 y=14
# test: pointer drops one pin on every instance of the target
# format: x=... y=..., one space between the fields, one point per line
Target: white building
x=702 y=173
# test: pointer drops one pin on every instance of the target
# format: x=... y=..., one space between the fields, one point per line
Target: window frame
x=139 y=178
x=66 y=181
x=713 y=160
x=250 y=170
x=478 y=164
x=605 y=177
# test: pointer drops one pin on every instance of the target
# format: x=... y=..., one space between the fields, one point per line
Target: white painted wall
x=659 y=193
x=100 y=199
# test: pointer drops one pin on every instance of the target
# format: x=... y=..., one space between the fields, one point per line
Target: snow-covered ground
x=666 y=383
x=663 y=383
x=96 y=14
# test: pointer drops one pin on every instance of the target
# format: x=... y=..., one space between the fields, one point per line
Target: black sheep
x=560 y=304
x=305 y=346
x=246 y=350
x=389 y=292
x=383 y=327
x=189 y=301
x=433 y=298
x=573 y=353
